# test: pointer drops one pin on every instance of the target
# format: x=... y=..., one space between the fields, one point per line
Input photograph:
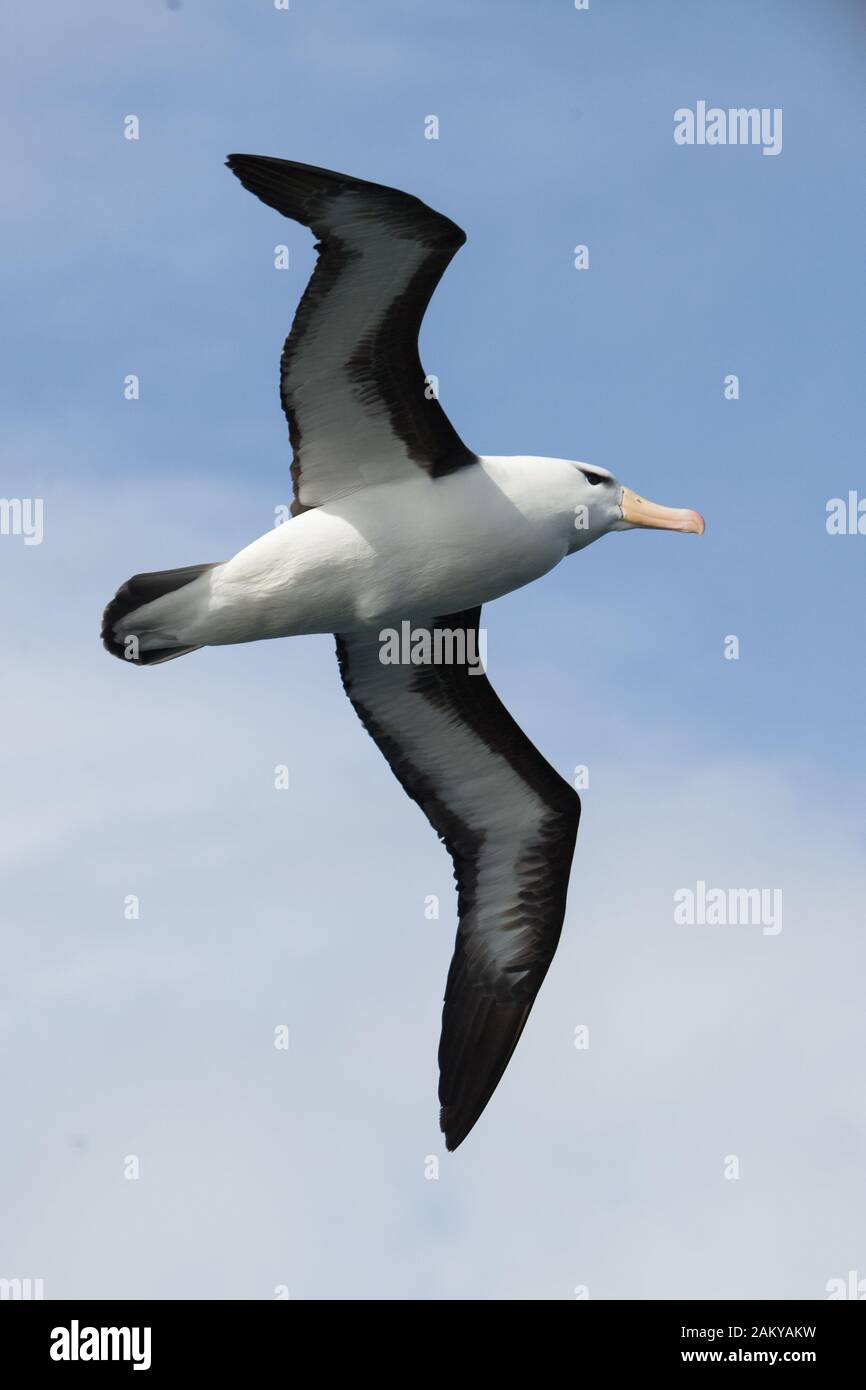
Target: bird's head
x=604 y=504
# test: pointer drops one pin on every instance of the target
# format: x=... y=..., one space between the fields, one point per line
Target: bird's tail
x=139 y=628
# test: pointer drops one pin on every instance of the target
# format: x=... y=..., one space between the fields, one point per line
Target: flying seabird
x=395 y=522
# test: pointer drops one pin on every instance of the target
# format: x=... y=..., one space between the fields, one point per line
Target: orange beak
x=638 y=512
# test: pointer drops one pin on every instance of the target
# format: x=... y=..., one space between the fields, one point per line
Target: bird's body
x=419 y=547
x=395 y=519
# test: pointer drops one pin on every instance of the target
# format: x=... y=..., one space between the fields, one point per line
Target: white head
x=602 y=504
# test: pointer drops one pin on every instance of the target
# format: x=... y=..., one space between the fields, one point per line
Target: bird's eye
x=593 y=479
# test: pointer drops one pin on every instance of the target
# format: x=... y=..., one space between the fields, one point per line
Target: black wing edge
x=302 y=192
x=490 y=1029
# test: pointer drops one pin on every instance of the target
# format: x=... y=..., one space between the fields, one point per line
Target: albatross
x=395 y=520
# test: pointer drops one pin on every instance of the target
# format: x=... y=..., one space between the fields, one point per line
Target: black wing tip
x=245 y=166
x=296 y=190
x=455 y=1127
x=454 y=1133
x=293 y=189
x=238 y=161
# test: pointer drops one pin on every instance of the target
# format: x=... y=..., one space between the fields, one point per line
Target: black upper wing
x=351 y=381
x=509 y=822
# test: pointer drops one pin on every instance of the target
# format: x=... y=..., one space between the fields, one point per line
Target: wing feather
x=509 y=822
x=351 y=382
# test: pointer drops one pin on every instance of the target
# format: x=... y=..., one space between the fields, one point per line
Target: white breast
x=418 y=547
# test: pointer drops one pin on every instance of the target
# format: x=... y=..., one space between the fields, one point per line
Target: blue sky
x=306 y=908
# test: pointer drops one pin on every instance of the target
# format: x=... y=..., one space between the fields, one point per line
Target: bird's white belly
x=422 y=547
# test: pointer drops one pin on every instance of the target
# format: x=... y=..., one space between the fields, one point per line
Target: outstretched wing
x=509 y=822
x=351 y=381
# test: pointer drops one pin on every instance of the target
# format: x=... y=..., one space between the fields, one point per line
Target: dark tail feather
x=141 y=589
